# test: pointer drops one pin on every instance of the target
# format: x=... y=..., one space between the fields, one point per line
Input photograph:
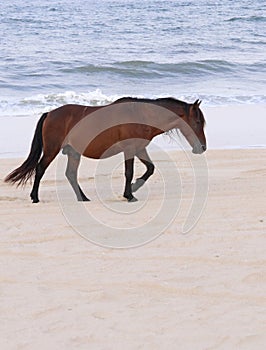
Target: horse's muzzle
x=199 y=149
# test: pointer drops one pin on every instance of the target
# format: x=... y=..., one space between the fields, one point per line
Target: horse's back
x=100 y=131
x=64 y=118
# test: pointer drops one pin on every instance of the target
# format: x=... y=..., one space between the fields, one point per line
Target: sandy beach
x=184 y=266
x=200 y=290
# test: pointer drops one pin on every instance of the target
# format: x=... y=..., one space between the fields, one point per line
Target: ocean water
x=92 y=52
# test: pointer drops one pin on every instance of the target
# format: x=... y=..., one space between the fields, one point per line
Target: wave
x=196 y=67
x=153 y=70
x=247 y=19
x=40 y=103
x=150 y=69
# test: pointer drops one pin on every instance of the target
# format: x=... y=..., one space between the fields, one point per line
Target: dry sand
x=201 y=290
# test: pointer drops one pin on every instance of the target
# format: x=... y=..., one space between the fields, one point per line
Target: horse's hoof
x=35 y=200
x=132 y=200
x=136 y=185
x=84 y=200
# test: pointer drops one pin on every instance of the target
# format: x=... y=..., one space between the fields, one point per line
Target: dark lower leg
x=35 y=189
x=78 y=191
x=149 y=172
x=50 y=151
x=145 y=159
x=40 y=170
x=129 y=163
x=71 y=174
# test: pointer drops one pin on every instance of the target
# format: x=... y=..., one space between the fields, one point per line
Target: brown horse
x=126 y=125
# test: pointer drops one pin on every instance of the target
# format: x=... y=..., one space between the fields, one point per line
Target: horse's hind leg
x=71 y=172
x=40 y=170
x=129 y=164
x=145 y=159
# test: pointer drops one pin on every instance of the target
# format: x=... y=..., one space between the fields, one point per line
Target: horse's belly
x=108 y=149
x=127 y=138
x=102 y=152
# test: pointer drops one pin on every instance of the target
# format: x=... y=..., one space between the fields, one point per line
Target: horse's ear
x=197 y=103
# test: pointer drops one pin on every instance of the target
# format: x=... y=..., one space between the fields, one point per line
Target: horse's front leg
x=145 y=159
x=129 y=169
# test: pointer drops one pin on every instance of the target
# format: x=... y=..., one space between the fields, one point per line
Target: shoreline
x=227 y=127
x=170 y=149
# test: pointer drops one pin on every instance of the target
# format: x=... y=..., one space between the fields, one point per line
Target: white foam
x=40 y=103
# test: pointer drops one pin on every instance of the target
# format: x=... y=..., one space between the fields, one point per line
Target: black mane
x=151 y=100
x=162 y=101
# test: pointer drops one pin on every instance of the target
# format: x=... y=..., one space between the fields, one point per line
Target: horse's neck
x=170 y=117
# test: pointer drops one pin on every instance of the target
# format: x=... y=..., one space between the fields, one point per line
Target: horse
x=126 y=125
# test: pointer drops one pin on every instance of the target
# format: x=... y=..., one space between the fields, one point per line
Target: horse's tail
x=23 y=173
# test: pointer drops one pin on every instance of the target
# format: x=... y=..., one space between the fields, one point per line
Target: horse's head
x=194 y=128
